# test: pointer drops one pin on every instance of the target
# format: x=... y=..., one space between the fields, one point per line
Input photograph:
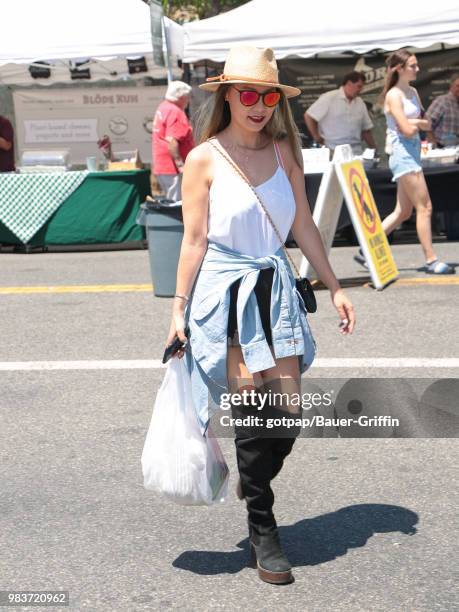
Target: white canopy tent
x=104 y=31
x=304 y=29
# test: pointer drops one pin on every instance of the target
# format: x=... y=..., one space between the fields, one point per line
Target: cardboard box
x=125 y=160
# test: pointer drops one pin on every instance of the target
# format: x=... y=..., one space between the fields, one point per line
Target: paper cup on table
x=91 y=163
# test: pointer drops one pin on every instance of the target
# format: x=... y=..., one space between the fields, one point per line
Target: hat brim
x=289 y=91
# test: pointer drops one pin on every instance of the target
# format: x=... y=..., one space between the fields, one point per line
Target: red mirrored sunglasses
x=249 y=97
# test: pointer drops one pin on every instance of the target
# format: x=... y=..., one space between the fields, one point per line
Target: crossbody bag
x=303 y=285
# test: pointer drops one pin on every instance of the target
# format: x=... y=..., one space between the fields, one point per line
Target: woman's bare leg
x=285 y=375
x=402 y=211
x=239 y=377
x=414 y=188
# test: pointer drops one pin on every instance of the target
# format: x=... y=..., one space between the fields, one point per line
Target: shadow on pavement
x=311 y=541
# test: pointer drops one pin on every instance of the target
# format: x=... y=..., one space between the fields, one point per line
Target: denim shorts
x=262 y=290
x=405 y=156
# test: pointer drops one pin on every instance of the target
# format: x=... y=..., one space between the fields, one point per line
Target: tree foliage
x=181 y=10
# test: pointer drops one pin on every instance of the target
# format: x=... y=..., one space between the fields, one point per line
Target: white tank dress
x=237 y=220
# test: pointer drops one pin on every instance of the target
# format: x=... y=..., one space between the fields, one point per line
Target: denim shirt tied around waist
x=207 y=316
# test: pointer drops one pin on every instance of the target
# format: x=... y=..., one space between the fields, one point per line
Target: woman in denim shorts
x=403 y=110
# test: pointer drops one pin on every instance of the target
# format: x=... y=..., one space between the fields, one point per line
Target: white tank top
x=411 y=109
x=236 y=218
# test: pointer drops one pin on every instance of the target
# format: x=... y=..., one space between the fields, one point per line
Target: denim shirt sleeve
x=207 y=316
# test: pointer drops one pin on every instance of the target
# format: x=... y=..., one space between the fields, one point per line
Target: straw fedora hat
x=250 y=65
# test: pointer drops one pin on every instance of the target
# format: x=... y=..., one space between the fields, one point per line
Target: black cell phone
x=175 y=346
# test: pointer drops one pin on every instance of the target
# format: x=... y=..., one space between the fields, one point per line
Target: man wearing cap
x=341 y=117
x=172 y=139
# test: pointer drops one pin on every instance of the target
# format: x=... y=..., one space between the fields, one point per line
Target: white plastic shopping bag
x=177 y=460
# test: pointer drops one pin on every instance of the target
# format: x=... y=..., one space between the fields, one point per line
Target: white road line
x=109 y=364
x=387 y=362
x=154 y=364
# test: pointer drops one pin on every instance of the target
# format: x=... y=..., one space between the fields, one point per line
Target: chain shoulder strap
x=243 y=176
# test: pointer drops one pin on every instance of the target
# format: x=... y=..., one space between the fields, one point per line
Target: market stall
x=65 y=205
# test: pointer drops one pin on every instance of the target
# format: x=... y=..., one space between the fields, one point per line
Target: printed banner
x=76 y=118
x=59 y=130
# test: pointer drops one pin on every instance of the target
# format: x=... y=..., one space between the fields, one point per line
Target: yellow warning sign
x=367 y=222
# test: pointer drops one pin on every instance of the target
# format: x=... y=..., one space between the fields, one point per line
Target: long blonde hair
x=215 y=115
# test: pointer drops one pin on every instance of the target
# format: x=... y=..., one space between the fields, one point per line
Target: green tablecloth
x=27 y=201
x=103 y=209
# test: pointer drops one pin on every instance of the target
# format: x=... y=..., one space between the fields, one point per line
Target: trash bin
x=452 y=224
x=163 y=223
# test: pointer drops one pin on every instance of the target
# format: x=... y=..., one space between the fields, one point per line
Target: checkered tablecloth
x=27 y=201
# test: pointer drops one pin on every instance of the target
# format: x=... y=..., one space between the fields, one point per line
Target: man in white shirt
x=341 y=116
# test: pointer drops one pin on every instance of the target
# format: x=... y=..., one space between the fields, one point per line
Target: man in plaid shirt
x=444 y=116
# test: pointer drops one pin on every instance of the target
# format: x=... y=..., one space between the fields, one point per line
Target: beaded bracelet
x=184 y=297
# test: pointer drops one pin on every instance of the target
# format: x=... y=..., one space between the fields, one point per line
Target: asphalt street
x=369 y=524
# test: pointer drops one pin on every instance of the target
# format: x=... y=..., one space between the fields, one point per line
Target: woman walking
x=402 y=107
x=243 y=190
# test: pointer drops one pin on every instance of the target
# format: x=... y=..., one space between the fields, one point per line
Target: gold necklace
x=232 y=144
x=253 y=148
x=241 y=154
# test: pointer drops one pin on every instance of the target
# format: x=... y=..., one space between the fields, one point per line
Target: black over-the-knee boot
x=281 y=448
x=254 y=453
x=283 y=437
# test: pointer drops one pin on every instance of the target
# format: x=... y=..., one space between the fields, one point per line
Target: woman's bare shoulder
x=285 y=149
x=394 y=93
x=288 y=156
x=199 y=163
x=394 y=99
x=200 y=155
